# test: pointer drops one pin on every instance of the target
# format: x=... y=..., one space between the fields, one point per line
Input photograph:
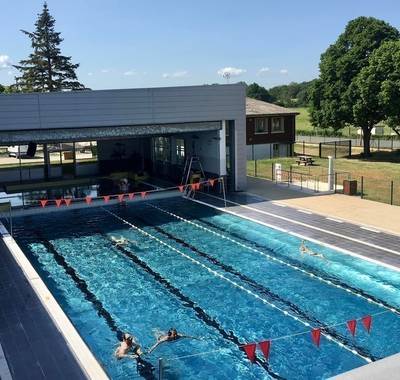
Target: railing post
x=320 y=149
x=290 y=174
x=255 y=168
x=391 y=192
x=335 y=182
x=362 y=187
x=335 y=149
x=304 y=148
x=273 y=171
x=160 y=368
x=349 y=148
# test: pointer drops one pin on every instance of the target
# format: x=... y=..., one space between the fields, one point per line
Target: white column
x=331 y=174
x=222 y=149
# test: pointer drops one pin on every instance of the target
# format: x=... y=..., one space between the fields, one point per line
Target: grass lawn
x=377 y=172
x=303 y=123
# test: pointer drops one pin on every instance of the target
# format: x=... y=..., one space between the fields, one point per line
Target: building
x=153 y=130
x=270 y=130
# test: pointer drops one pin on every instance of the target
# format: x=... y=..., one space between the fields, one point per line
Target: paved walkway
x=353 y=209
x=33 y=347
x=365 y=242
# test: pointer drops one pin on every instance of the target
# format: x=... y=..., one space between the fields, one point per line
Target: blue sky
x=132 y=43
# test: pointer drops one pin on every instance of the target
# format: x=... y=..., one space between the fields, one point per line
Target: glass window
x=162 y=149
x=260 y=126
x=277 y=125
x=180 y=151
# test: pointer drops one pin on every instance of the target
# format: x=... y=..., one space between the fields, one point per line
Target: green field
x=377 y=173
x=303 y=123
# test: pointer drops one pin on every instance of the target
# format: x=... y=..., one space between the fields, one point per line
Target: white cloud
x=263 y=70
x=231 y=71
x=176 y=74
x=90 y=74
x=105 y=71
x=283 y=71
x=130 y=72
x=5 y=61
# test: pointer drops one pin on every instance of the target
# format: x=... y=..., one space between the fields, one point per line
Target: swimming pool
x=214 y=276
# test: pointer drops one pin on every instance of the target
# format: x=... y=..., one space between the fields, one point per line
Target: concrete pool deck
x=38 y=340
x=353 y=209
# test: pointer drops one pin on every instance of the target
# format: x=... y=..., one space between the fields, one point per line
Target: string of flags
x=265 y=345
x=122 y=197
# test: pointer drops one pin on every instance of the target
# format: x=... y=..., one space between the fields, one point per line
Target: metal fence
x=381 y=143
x=337 y=148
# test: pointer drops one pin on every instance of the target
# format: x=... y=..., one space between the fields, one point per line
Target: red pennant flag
x=106 y=198
x=198 y=186
x=121 y=197
x=366 y=321
x=316 y=336
x=250 y=350
x=88 y=200
x=58 y=202
x=352 y=326
x=180 y=188
x=264 y=347
x=193 y=186
x=131 y=195
x=43 y=202
x=211 y=182
x=67 y=201
x=143 y=194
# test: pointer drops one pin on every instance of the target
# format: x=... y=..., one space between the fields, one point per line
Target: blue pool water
x=214 y=276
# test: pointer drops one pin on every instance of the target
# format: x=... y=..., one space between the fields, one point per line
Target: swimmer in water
x=305 y=250
x=128 y=348
x=171 y=336
x=121 y=242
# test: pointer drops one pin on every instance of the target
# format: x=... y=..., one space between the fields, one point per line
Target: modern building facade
x=89 y=133
x=270 y=130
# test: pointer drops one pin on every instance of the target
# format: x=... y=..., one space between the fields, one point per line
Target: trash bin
x=349 y=187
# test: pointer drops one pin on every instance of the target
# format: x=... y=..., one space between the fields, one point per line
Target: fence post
x=349 y=148
x=273 y=171
x=160 y=364
x=379 y=144
x=362 y=187
x=391 y=192
x=290 y=174
x=335 y=149
x=304 y=148
x=301 y=181
x=335 y=182
x=391 y=143
x=320 y=150
x=255 y=168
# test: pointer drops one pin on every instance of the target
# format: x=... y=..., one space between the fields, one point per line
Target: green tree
x=2 y=88
x=258 y=92
x=335 y=99
x=292 y=95
x=377 y=87
x=46 y=69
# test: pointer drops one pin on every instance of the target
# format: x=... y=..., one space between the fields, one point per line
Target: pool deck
x=33 y=346
x=359 y=240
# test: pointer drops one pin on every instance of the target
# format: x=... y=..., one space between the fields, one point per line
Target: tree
x=46 y=69
x=378 y=86
x=258 y=92
x=335 y=99
x=292 y=95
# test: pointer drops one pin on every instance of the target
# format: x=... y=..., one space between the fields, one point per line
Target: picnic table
x=305 y=160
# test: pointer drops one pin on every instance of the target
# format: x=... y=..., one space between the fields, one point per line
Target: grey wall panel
x=120 y=107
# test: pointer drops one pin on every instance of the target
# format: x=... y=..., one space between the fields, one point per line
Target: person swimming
x=171 y=336
x=121 y=241
x=305 y=250
x=128 y=348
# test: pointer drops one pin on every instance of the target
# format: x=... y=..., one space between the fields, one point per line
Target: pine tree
x=46 y=69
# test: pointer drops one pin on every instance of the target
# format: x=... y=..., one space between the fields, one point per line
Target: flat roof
x=255 y=107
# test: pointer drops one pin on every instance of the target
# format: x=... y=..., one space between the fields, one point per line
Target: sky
x=154 y=43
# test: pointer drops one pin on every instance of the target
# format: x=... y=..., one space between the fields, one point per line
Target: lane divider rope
x=295 y=267
x=235 y=284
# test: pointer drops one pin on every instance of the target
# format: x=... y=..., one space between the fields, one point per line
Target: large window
x=180 y=151
x=260 y=126
x=162 y=149
x=277 y=125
